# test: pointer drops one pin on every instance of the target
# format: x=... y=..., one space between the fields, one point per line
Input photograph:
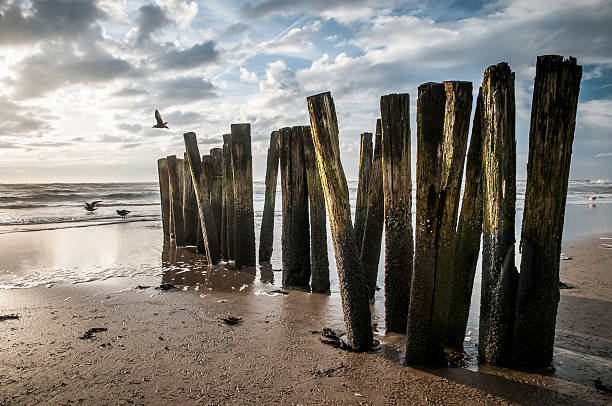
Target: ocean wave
x=72 y=224
x=62 y=220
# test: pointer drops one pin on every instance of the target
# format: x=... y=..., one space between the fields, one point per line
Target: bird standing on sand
x=160 y=121
x=592 y=197
x=91 y=207
x=123 y=213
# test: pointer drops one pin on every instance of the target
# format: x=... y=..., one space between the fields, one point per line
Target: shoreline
x=170 y=346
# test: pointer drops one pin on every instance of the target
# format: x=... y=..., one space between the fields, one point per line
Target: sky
x=80 y=79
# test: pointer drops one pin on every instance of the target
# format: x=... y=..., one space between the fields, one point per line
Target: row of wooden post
x=428 y=293
x=205 y=198
x=429 y=271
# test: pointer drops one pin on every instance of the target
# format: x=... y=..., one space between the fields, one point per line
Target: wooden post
x=200 y=186
x=295 y=239
x=180 y=166
x=430 y=135
x=190 y=206
x=216 y=191
x=266 y=236
x=553 y=120
x=228 y=193
x=207 y=171
x=499 y=275
x=164 y=193
x=375 y=214
x=397 y=185
x=176 y=205
x=456 y=130
x=244 y=218
x=363 y=184
x=353 y=289
x=469 y=230
x=319 y=263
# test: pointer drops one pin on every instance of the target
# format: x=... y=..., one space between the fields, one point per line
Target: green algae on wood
x=551 y=134
x=397 y=187
x=351 y=280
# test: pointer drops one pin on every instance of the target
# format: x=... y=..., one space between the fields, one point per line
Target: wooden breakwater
x=429 y=274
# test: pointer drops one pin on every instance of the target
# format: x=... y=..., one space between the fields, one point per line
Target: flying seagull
x=123 y=213
x=91 y=207
x=160 y=121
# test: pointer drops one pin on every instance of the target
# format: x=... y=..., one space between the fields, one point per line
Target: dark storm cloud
x=56 y=67
x=187 y=89
x=46 y=19
x=150 y=19
x=198 y=55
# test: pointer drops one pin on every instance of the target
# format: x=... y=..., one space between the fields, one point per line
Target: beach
x=169 y=346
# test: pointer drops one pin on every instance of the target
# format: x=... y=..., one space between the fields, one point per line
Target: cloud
x=183 y=118
x=181 y=12
x=186 y=89
x=248 y=77
x=198 y=55
x=295 y=41
x=133 y=128
x=151 y=18
x=604 y=155
x=46 y=19
x=335 y=8
x=130 y=92
x=17 y=120
x=234 y=29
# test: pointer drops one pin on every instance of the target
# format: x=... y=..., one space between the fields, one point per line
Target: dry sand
x=170 y=348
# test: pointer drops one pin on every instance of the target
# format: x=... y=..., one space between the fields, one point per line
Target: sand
x=168 y=347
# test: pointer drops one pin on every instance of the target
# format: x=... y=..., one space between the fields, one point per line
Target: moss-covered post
x=375 y=216
x=469 y=230
x=176 y=204
x=164 y=193
x=266 y=235
x=216 y=190
x=553 y=120
x=295 y=239
x=363 y=184
x=353 y=288
x=190 y=206
x=200 y=187
x=397 y=188
x=499 y=275
x=319 y=262
x=244 y=218
x=228 y=194
x=431 y=104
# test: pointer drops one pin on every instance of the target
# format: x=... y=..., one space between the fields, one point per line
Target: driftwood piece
x=553 y=120
x=353 y=288
x=244 y=217
x=375 y=216
x=266 y=235
x=295 y=237
x=397 y=188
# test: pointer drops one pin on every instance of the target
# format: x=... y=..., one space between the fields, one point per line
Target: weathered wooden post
x=207 y=171
x=363 y=184
x=469 y=230
x=319 y=263
x=553 y=120
x=244 y=219
x=372 y=233
x=353 y=289
x=176 y=204
x=456 y=129
x=216 y=191
x=295 y=237
x=190 y=206
x=499 y=275
x=228 y=194
x=200 y=186
x=164 y=192
x=397 y=187
x=266 y=236
x=180 y=166
x=431 y=104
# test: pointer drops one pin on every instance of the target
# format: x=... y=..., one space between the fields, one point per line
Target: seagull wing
x=158 y=118
x=94 y=203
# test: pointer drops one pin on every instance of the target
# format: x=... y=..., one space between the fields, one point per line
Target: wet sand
x=169 y=346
